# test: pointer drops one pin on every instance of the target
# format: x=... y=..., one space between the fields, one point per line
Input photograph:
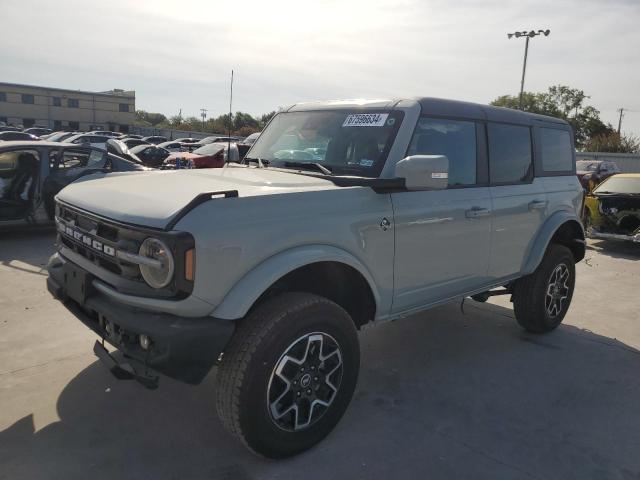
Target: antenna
x=230 y=116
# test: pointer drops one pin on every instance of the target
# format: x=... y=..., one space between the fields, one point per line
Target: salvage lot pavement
x=451 y=393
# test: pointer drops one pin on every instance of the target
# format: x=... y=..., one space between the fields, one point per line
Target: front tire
x=542 y=299
x=288 y=374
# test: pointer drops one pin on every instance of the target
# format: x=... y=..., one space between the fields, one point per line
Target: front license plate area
x=76 y=283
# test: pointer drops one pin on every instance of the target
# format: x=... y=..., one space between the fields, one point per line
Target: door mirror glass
x=424 y=172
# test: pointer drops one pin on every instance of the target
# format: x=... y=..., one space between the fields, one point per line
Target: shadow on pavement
x=616 y=249
x=27 y=248
x=441 y=395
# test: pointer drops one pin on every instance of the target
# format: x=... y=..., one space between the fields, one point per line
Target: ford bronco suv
x=342 y=214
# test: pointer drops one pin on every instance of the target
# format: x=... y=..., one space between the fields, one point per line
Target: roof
x=35 y=143
x=436 y=107
x=627 y=175
x=129 y=94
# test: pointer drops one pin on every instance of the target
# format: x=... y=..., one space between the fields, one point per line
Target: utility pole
x=621 y=110
x=527 y=36
x=203 y=114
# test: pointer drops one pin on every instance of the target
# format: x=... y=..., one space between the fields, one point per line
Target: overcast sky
x=178 y=55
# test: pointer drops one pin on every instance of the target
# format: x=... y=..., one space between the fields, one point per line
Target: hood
x=153 y=198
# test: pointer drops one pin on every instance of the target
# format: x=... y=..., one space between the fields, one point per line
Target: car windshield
x=586 y=166
x=617 y=184
x=209 y=149
x=345 y=142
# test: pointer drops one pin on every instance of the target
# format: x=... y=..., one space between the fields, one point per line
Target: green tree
x=613 y=142
x=149 y=118
x=563 y=102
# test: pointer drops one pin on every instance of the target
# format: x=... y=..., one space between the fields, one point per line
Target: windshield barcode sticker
x=365 y=120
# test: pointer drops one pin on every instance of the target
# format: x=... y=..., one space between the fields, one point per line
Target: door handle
x=476 y=212
x=537 y=205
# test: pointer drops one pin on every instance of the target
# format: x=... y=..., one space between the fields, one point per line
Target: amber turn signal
x=190 y=264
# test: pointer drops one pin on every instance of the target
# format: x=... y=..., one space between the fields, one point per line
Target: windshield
x=586 y=166
x=345 y=142
x=209 y=149
x=617 y=184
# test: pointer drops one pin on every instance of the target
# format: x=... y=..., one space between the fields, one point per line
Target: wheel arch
x=563 y=228
x=319 y=269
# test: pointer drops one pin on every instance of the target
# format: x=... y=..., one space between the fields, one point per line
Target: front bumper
x=183 y=348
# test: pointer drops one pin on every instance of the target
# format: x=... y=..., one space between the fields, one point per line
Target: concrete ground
x=446 y=394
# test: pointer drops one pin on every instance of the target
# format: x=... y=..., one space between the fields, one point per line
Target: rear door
x=519 y=199
x=69 y=164
x=442 y=236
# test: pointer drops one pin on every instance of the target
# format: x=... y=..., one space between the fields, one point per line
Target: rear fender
x=544 y=236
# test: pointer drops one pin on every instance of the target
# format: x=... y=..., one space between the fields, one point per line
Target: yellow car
x=612 y=209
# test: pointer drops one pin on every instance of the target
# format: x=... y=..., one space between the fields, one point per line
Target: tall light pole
x=203 y=114
x=527 y=36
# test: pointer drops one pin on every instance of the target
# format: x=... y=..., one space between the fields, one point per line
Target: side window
x=509 y=153
x=557 y=155
x=81 y=159
x=453 y=138
x=18 y=172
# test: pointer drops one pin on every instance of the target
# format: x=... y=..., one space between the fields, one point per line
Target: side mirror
x=424 y=172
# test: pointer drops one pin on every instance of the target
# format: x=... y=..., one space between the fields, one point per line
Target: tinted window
x=81 y=159
x=557 y=153
x=57 y=101
x=73 y=103
x=454 y=139
x=26 y=98
x=509 y=153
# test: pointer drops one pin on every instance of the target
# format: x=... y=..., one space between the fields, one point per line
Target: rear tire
x=541 y=300
x=288 y=374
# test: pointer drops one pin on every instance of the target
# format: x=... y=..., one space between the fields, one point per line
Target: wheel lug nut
x=295 y=382
x=309 y=392
x=315 y=378
x=299 y=393
x=302 y=369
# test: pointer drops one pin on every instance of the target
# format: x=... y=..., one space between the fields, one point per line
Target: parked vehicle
x=151 y=155
x=91 y=139
x=592 y=172
x=106 y=133
x=9 y=128
x=612 y=209
x=33 y=172
x=245 y=145
x=13 y=135
x=176 y=146
x=188 y=140
x=131 y=135
x=212 y=155
x=218 y=138
x=134 y=142
x=38 y=131
x=155 y=139
x=59 y=136
x=268 y=269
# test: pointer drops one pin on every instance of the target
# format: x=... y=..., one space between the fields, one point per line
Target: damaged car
x=612 y=210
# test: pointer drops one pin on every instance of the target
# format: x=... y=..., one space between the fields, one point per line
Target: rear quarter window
x=557 y=152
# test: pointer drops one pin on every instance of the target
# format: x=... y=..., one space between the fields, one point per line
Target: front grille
x=99 y=240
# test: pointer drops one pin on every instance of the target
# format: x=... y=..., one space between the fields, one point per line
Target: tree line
x=241 y=124
x=591 y=133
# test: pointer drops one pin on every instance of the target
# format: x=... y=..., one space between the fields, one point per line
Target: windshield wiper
x=261 y=163
x=306 y=165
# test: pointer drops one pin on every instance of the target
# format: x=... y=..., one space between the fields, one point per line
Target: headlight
x=159 y=275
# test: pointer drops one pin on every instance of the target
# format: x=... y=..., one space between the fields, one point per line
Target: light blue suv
x=343 y=213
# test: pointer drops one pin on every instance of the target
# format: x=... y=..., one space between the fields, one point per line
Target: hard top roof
x=436 y=107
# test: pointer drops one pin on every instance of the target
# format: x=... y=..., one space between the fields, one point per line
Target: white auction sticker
x=365 y=120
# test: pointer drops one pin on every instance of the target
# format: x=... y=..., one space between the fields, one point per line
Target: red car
x=592 y=172
x=212 y=155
